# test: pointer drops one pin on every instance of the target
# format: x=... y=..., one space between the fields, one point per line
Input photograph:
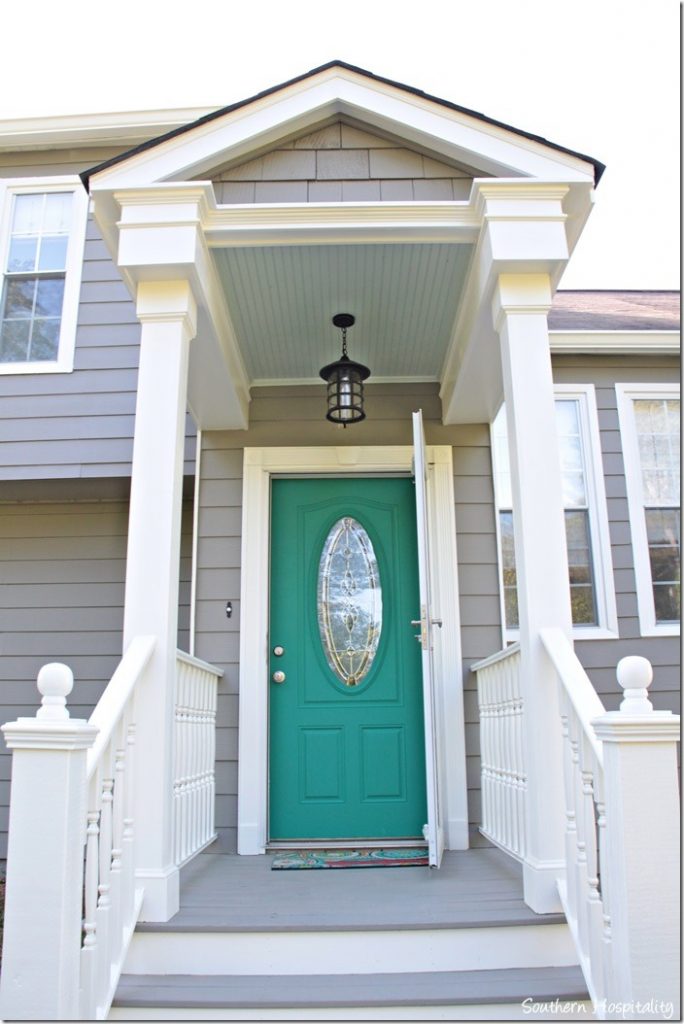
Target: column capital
x=520 y=294
x=167 y=302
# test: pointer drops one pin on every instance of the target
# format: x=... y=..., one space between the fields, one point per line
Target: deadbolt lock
x=278 y=651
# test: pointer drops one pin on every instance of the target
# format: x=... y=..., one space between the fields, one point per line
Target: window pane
x=28 y=214
x=663 y=532
x=53 y=250
x=349 y=601
x=22 y=254
x=657 y=423
x=510 y=581
x=14 y=339
x=44 y=339
x=49 y=296
x=581 y=568
x=570 y=453
x=19 y=296
x=57 y=217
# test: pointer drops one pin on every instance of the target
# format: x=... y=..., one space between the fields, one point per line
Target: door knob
x=278 y=677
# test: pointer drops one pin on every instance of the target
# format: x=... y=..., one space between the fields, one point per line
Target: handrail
x=584 y=699
x=190 y=659
x=492 y=659
x=111 y=704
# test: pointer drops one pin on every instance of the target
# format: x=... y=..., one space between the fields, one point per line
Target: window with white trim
x=650 y=431
x=41 y=249
x=592 y=592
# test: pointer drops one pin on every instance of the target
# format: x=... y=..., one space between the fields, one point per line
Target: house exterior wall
x=80 y=424
x=63 y=566
x=599 y=657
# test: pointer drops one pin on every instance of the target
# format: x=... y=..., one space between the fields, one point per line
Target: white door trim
x=258 y=467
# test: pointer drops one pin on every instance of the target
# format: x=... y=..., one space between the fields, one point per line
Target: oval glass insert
x=349 y=601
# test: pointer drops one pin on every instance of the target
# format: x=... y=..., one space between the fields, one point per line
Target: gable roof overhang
x=523 y=215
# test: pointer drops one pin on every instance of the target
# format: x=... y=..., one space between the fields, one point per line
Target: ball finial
x=55 y=681
x=635 y=675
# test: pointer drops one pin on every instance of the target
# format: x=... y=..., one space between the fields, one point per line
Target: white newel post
x=168 y=315
x=520 y=307
x=43 y=909
x=643 y=854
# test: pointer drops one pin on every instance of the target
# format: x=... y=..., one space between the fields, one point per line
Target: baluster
x=117 y=842
x=570 y=826
x=104 y=900
x=594 y=903
x=89 y=950
x=521 y=780
x=212 y=754
x=177 y=773
x=496 y=736
x=483 y=747
x=197 y=760
x=128 y=839
x=581 y=855
x=604 y=882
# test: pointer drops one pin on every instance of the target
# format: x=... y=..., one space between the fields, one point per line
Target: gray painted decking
x=473 y=888
x=295 y=990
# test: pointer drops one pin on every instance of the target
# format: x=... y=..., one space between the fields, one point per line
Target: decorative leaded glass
x=349 y=601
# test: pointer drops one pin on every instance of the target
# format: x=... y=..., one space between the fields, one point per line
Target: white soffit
x=404 y=298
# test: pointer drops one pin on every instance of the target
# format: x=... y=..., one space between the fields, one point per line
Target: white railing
x=72 y=901
x=111 y=900
x=620 y=891
x=585 y=891
x=503 y=776
x=194 y=785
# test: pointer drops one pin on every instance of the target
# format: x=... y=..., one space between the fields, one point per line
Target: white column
x=520 y=306
x=168 y=314
x=643 y=854
x=42 y=933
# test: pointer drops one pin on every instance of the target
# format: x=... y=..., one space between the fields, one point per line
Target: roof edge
x=85 y=176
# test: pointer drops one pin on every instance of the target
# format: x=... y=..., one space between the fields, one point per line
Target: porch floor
x=473 y=888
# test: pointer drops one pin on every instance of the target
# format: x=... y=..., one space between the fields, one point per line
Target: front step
x=400 y=944
x=446 y=995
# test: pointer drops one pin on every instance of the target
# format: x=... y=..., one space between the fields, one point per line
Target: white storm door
x=433 y=831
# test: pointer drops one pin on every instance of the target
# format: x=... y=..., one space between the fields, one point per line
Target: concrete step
x=514 y=994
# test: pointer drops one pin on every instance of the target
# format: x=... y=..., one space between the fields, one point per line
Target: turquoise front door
x=347 y=756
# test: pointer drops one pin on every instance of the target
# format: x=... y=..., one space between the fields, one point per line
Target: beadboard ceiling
x=404 y=298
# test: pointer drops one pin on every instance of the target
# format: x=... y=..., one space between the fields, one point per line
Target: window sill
x=13 y=369
x=665 y=629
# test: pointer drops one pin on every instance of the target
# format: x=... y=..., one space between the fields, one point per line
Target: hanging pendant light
x=345 y=381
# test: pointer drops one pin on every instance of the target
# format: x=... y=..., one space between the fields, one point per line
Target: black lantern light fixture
x=345 y=381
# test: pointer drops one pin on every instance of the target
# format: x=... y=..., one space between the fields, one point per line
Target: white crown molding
x=617 y=342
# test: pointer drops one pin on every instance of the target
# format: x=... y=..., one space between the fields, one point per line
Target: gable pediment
x=427 y=127
x=342 y=162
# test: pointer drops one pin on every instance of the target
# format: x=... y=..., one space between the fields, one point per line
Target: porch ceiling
x=404 y=296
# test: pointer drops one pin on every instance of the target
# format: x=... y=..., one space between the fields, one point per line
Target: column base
x=540 y=885
x=162 y=893
x=457 y=834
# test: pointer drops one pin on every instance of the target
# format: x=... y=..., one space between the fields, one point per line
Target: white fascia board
x=338 y=92
x=123 y=128
x=617 y=342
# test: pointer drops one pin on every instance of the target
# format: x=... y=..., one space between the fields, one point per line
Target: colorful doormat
x=314 y=859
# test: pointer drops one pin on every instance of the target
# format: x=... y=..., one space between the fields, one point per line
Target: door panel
x=347 y=757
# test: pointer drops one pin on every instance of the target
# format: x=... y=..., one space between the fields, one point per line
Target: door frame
x=259 y=464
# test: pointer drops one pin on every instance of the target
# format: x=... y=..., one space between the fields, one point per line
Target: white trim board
x=626 y=394
x=258 y=467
